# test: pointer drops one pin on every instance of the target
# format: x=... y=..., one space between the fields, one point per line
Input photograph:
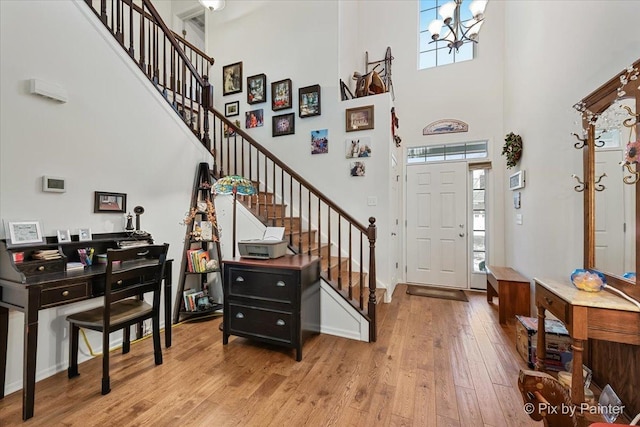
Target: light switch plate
x=519 y=219
x=372 y=201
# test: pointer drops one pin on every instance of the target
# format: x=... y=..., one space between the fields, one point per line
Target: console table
x=598 y=315
x=33 y=285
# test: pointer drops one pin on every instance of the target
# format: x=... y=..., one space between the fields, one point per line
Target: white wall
x=557 y=53
x=300 y=40
x=114 y=134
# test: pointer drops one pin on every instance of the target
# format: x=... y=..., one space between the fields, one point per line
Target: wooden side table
x=512 y=289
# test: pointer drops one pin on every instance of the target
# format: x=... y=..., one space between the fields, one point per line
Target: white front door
x=437 y=224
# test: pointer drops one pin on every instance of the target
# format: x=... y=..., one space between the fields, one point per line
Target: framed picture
x=229 y=131
x=516 y=180
x=110 y=202
x=257 y=89
x=232 y=108
x=357 y=168
x=232 y=78
x=23 y=233
x=357 y=147
x=84 y=234
x=189 y=116
x=63 y=236
x=284 y=124
x=360 y=118
x=320 y=141
x=281 y=95
x=254 y=119
x=309 y=101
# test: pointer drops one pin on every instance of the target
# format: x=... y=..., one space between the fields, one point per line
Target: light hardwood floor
x=436 y=363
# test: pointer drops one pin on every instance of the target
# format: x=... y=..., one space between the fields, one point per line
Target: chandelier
x=459 y=32
x=213 y=5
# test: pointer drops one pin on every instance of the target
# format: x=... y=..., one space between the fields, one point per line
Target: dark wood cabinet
x=275 y=301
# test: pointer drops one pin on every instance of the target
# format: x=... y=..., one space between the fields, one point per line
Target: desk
x=42 y=291
x=598 y=315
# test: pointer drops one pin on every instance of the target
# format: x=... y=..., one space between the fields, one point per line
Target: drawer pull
x=65 y=293
x=239 y=279
x=119 y=282
x=281 y=284
x=280 y=322
x=239 y=316
x=41 y=268
x=548 y=301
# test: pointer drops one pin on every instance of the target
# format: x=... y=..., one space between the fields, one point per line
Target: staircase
x=313 y=223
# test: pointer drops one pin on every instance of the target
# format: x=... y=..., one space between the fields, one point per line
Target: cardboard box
x=558 y=342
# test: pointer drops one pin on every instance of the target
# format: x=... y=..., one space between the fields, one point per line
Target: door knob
x=461 y=234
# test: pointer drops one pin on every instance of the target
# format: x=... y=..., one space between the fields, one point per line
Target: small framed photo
x=281 y=95
x=84 y=234
x=109 y=202
x=516 y=181
x=360 y=118
x=254 y=119
x=23 y=233
x=309 y=101
x=357 y=168
x=257 y=89
x=232 y=78
x=283 y=124
x=190 y=116
x=320 y=141
x=358 y=147
x=63 y=236
x=232 y=108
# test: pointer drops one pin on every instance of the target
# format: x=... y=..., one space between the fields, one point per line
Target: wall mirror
x=611 y=203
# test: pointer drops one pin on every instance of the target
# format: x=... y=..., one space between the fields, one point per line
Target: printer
x=272 y=245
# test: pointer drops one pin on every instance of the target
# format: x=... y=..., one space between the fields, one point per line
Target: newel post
x=371 y=306
x=206 y=106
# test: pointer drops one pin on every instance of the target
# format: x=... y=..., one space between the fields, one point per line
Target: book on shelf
x=197 y=260
x=47 y=254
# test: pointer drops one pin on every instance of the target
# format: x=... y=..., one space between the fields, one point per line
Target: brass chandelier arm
x=633 y=120
x=633 y=178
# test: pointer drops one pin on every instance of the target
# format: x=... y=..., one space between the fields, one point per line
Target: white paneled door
x=437 y=224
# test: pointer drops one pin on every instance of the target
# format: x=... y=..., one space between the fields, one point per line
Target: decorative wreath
x=512 y=149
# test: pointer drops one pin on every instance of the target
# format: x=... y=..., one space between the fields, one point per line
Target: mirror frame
x=596 y=103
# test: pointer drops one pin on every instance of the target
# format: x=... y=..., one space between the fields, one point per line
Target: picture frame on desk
x=20 y=233
x=105 y=202
x=84 y=234
x=63 y=236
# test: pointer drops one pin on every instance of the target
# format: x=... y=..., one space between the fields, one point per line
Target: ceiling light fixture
x=213 y=5
x=459 y=32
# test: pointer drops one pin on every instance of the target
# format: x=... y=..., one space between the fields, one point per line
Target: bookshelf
x=200 y=269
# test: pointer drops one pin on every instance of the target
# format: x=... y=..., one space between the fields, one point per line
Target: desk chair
x=130 y=273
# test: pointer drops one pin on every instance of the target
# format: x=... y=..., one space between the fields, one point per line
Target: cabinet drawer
x=32 y=268
x=63 y=294
x=265 y=285
x=550 y=301
x=260 y=322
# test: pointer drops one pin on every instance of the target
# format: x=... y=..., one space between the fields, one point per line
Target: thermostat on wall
x=53 y=184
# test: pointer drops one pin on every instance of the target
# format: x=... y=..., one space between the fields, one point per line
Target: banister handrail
x=209 y=59
x=276 y=160
x=169 y=34
x=176 y=35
